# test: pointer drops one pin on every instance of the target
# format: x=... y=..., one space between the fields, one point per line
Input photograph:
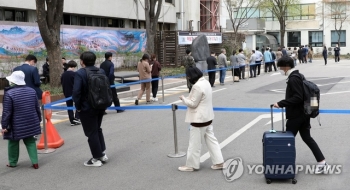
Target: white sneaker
x=104 y=158
x=321 y=168
x=93 y=162
x=155 y=99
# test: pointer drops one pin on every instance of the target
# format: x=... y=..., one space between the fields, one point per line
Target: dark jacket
x=21 y=112
x=324 y=53
x=336 y=51
x=46 y=70
x=81 y=89
x=211 y=61
x=108 y=68
x=32 y=78
x=300 y=53
x=67 y=82
x=284 y=52
x=156 y=67
x=293 y=102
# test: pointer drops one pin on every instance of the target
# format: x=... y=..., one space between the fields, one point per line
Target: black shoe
x=136 y=102
x=74 y=123
x=120 y=111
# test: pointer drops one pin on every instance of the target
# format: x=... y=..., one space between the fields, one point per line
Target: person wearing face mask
x=297 y=121
x=200 y=115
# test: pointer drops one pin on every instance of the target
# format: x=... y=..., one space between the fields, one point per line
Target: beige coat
x=199 y=103
x=144 y=70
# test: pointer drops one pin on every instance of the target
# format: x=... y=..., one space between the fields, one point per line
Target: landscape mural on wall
x=20 y=40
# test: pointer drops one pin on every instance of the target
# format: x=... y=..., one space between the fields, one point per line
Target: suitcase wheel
x=294 y=181
x=268 y=181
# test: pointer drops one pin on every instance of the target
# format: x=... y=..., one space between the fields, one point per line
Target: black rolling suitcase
x=279 y=153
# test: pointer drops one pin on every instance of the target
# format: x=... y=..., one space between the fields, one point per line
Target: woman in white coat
x=200 y=115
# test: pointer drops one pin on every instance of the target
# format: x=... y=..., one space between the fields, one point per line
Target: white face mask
x=283 y=73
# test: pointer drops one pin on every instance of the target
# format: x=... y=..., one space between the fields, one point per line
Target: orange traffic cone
x=53 y=138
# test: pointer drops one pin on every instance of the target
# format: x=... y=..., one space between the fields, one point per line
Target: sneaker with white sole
x=93 y=162
x=321 y=168
x=104 y=158
x=186 y=169
x=217 y=166
x=155 y=99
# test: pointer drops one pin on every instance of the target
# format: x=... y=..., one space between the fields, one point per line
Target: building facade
x=312 y=23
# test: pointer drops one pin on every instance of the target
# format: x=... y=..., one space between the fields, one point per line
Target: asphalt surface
x=138 y=142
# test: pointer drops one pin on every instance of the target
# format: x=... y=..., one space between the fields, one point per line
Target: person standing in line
x=310 y=54
x=259 y=56
x=212 y=63
x=284 y=51
x=108 y=68
x=241 y=61
x=273 y=62
x=144 y=70
x=325 y=54
x=21 y=117
x=297 y=121
x=305 y=52
x=235 y=66
x=222 y=62
x=189 y=62
x=268 y=61
x=295 y=56
x=336 y=53
x=200 y=115
x=289 y=52
x=31 y=73
x=67 y=82
x=278 y=54
x=91 y=119
x=300 y=55
x=64 y=64
x=156 y=68
x=46 y=70
x=252 y=65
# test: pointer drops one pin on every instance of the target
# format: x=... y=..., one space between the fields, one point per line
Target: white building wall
x=191 y=12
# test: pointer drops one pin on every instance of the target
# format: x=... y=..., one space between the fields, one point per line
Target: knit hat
x=17 y=77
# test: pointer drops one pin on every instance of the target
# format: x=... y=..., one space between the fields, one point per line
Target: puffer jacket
x=21 y=113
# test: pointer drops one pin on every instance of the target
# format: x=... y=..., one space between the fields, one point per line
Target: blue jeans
x=222 y=75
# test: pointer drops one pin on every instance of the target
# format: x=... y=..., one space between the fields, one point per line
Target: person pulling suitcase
x=297 y=121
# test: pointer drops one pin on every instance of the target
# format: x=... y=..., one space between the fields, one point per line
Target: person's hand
x=3 y=131
x=276 y=105
x=181 y=97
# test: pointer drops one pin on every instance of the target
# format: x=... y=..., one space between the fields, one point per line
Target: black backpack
x=100 y=93
x=311 y=97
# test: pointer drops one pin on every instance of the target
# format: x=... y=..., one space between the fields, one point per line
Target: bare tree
x=337 y=10
x=49 y=22
x=152 y=12
x=239 y=12
x=281 y=9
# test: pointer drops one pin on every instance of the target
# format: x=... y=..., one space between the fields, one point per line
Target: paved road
x=138 y=142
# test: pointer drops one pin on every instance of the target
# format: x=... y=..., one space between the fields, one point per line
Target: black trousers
x=274 y=65
x=302 y=125
x=252 y=70
x=91 y=121
x=268 y=67
x=115 y=97
x=211 y=78
x=236 y=72
x=71 y=116
x=155 y=84
x=337 y=58
x=325 y=60
x=258 y=66
x=242 y=72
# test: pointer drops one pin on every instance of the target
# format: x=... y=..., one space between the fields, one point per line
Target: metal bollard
x=176 y=154
x=162 y=77
x=46 y=150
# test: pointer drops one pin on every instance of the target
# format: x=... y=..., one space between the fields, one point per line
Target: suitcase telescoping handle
x=272 y=130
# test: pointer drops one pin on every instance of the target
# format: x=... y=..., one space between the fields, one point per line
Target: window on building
x=96 y=21
x=267 y=15
x=293 y=39
x=169 y=1
x=21 y=16
x=247 y=12
x=66 y=19
x=302 y=12
x=1 y=14
x=88 y=21
x=104 y=22
x=9 y=15
x=82 y=21
x=338 y=35
x=276 y=35
x=316 y=38
x=74 y=20
x=338 y=10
